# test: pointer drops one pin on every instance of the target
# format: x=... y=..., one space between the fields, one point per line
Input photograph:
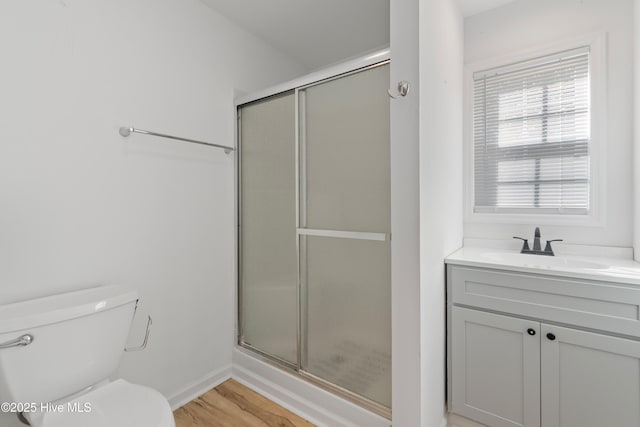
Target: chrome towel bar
x=126 y=131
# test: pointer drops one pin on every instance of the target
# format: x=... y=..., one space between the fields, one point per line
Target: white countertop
x=602 y=268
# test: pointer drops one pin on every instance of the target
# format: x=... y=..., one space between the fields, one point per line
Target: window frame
x=598 y=78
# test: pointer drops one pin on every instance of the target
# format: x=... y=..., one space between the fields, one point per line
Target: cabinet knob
x=531 y=331
x=551 y=337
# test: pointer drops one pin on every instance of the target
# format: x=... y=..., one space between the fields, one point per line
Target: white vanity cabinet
x=538 y=350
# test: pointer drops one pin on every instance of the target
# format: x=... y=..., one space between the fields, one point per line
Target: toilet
x=58 y=353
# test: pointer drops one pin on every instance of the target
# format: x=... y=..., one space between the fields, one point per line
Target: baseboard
x=301 y=397
x=458 y=421
x=198 y=388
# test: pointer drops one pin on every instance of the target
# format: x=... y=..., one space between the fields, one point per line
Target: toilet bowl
x=118 y=403
x=57 y=354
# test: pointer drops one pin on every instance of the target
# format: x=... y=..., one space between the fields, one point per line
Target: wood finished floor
x=233 y=405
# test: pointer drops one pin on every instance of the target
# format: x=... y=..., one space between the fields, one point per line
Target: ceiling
x=473 y=7
x=314 y=32
x=318 y=33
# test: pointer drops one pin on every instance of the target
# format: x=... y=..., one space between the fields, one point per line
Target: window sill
x=541 y=219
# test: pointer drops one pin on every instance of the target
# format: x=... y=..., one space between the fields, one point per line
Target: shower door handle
x=18 y=342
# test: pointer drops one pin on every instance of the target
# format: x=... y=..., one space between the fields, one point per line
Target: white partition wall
x=408 y=397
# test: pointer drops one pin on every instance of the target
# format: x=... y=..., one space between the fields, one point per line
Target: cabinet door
x=589 y=379
x=496 y=368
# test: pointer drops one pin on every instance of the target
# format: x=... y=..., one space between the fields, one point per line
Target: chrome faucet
x=536 y=240
x=537 y=248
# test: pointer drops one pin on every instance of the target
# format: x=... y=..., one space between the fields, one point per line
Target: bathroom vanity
x=543 y=341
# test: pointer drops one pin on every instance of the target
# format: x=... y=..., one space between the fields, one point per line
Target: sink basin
x=594 y=266
x=542 y=261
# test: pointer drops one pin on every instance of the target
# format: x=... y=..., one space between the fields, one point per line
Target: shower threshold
x=341 y=392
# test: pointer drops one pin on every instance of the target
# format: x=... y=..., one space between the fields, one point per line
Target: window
x=532 y=136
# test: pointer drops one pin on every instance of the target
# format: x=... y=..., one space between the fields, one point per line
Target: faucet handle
x=547 y=248
x=525 y=246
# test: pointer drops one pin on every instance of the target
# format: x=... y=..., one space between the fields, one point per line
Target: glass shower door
x=268 y=281
x=344 y=233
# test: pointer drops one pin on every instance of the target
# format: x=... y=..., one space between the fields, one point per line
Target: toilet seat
x=117 y=404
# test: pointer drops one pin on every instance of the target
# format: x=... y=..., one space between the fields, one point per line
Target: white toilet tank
x=78 y=340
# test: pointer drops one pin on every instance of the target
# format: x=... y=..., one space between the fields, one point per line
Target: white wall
x=82 y=206
x=441 y=116
x=527 y=24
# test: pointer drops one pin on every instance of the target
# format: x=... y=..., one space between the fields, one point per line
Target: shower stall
x=314 y=253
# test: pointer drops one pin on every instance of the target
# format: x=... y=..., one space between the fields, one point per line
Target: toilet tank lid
x=56 y=308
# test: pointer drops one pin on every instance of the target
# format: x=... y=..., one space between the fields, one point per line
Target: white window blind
x=531 y=136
